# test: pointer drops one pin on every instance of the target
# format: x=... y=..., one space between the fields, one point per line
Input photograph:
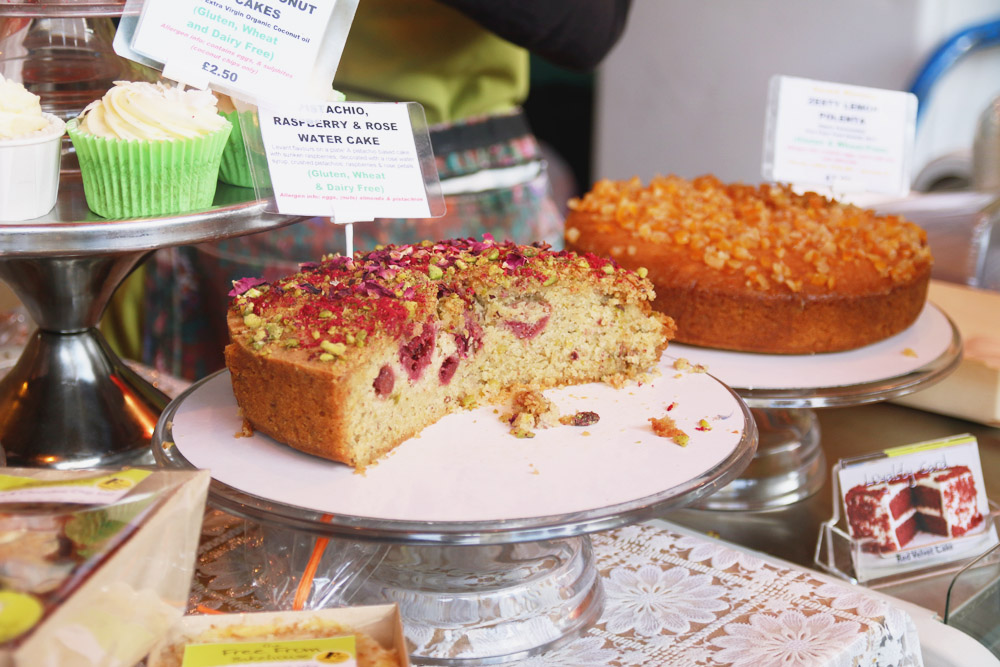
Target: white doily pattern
x=690 y=601
x=671 y=599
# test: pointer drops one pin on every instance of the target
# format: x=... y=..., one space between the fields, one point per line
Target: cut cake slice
x=945 y=501
x=350 y=357
x=882 y=513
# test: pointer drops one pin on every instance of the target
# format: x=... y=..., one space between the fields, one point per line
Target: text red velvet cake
x=351 y=356
x=888 y=514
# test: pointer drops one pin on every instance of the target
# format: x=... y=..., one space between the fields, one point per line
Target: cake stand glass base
x=490 y=604
x=788 y=466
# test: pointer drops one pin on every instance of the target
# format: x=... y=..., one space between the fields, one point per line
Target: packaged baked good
x=759 y=268
x=148 y=149
x=351 y=356
x=371 y=635
x=95 y=566
x=30 y=147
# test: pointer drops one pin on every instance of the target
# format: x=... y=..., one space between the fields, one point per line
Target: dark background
x=560 y=110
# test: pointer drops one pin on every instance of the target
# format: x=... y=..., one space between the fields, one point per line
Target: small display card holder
x=244 y=48
x=973 y=601
x=846 y=138
x=908 y=512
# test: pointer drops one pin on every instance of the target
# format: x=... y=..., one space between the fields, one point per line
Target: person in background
x=467 y=63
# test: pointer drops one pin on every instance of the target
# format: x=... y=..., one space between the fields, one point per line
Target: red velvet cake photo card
x=915 y=506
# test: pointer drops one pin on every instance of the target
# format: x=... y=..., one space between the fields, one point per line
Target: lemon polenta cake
x=759 y=268
x=353 y=355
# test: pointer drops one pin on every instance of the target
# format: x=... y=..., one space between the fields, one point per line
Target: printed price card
x=349 y=160
x=915 y=506
x=97 y=490
x=321 y=652
x=244 y=47
x=847 y=138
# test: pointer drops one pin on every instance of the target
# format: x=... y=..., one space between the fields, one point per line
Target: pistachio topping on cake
x=776 y=239
x=351 y=356
x=341 y=303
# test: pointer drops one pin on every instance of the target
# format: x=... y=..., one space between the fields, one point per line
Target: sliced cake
x=351 y=356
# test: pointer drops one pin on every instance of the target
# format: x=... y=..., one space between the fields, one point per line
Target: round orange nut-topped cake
x=351 y=356
x=759 y=268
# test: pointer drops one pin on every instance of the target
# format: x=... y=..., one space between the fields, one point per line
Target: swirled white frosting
x=151 y=111
x=20 y=111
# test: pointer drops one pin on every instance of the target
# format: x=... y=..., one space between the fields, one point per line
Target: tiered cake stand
x=783 y=391
x=70 y=402
x=484 y=536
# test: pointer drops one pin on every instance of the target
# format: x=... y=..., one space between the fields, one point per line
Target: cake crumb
x=246 y=430
x=682 y=364
x=528 y=409
x=582 y=418
x=910 y=352
x=616 y=380
x=666 y=427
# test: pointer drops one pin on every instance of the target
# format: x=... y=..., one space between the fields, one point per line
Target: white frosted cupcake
x=149 y=149
x=30 y=143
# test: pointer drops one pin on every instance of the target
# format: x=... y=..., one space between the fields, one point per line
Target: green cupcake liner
x=134 y=178
x=235 y=168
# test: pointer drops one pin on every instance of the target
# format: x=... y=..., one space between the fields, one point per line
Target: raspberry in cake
x=353 y=355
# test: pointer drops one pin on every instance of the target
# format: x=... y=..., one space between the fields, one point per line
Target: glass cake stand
x=70 y=402
x=484 y=536
x=783 y=391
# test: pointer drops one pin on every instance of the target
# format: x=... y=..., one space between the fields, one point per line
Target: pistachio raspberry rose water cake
x=353 y=355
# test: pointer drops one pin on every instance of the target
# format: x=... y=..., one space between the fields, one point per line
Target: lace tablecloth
x=672 y=599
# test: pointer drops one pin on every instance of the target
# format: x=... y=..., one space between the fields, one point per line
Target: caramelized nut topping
x=777 y=239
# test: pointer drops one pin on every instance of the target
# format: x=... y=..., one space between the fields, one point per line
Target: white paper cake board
x=467 y=467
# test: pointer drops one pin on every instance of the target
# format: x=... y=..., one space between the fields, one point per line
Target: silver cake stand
x=483 y=537
x=70 y=402
x=784 y=391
